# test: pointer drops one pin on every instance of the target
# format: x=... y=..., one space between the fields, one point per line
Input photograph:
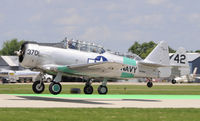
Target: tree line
x=142 y=49
x=10 y=46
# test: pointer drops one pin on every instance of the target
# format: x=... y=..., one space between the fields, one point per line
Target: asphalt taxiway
x=96 y=101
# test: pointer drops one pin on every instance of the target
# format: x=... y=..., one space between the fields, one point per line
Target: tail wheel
x=38 y=87
x=88 y=89
x=55 y=88
x=102 y=89
x=149 y=84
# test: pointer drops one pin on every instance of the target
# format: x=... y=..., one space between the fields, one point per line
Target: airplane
x=187 y=78
x=179 y=65
x=89 y=61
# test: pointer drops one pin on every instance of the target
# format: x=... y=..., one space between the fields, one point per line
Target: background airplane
x=187 y=78
x=81 y=59
x=179 y=65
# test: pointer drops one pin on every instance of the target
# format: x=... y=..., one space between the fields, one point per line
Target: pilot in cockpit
x=71 y=44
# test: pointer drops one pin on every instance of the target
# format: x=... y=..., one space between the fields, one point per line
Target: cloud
x=49 y=1
x=194 y=17
x=71 y=11
x=153 y=19
x=71 y=20
x=35 y=18
x=97 y=33
x=112 y=7
x=155 y=2
x=2 y=17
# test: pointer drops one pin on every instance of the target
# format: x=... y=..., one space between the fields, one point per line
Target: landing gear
x=149 y=83
x=88 y=89
x=55 y=88
x=102 y=89
x=173 y=81
x=38 y=87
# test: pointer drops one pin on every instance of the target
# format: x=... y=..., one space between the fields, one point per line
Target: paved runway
x=96 y=101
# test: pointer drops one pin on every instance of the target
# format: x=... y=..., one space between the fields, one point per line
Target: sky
x=114 y=24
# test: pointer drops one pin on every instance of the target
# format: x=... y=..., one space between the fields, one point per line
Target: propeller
x=21 y=52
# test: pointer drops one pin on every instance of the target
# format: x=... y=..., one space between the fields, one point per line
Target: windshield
x=83 y=46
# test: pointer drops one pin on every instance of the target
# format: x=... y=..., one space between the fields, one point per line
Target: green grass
x=98 y=114
x=113 y=89
x=103 y=114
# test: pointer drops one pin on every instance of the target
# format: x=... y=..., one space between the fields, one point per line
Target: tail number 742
x=180 y=58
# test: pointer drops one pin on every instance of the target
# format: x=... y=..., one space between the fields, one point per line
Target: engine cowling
x=28 y=54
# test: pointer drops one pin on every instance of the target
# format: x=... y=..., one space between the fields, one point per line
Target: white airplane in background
x=180 y=66
x=81 y=59
x=187 y=78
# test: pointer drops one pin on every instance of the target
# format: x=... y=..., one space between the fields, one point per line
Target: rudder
x=159 y=55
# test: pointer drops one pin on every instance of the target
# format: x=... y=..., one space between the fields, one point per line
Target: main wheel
x=55 y=88
x=102 y=89
x=88 y=89
x=38 y=87
x=173 y=81
x=149 y=84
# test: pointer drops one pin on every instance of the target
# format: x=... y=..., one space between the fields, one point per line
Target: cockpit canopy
x=128 y=55
x=84 y=46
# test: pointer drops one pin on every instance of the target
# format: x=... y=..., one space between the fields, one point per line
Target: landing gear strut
x=102 y=89
x=88 y=89
x=38 y=87
x=149 y=83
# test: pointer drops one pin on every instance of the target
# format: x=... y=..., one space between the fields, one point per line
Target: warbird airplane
x=179 y=65
x=80 y=59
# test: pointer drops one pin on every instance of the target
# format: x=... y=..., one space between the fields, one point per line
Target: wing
x=152 y=64
x=101 y=69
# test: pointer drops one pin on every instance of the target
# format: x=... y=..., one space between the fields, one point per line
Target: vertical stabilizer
x=179 y=58
x=159 y=55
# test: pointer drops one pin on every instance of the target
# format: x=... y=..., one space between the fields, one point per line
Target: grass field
x=98 y=114
x=103 y=114
x=113 y=89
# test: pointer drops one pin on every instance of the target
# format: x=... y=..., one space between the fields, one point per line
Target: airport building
x=194 y=61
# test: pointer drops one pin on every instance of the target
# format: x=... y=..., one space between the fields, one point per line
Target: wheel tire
x=37 y=88
x=88 y=89
x=102 y=90
x=149 y=84
x=55 y=88
x=173 y=81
